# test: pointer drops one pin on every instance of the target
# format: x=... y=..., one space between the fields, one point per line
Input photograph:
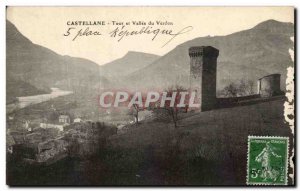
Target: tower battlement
x=203 y=51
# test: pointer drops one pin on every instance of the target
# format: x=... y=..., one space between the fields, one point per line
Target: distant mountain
x=248 y=55
x=244 y=55
x=131 y=62
x=42 y=68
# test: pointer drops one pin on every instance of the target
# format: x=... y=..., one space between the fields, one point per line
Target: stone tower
x=203 y=75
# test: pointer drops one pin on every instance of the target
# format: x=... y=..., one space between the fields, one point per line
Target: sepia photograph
x=150 y=96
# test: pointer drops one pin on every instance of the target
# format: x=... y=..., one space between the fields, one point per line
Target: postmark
x=267 y=160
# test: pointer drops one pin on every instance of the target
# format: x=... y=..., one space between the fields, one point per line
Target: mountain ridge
x=263 y=49
x=244 y=55
x=132 y=60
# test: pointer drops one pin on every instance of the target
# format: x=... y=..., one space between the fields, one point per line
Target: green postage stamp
x=267 y=160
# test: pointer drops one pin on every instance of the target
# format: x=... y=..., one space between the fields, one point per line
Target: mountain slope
x=43 y=68
x=249 y=55
x=131 y=62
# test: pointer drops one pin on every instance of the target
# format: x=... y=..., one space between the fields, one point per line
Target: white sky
x=46 y=25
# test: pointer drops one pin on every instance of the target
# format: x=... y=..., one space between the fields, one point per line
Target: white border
x=4 y=3
x=286 y=165
x=153 y=3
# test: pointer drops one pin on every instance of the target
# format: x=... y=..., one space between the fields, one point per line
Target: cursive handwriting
x=121 y=32
x=86 y=32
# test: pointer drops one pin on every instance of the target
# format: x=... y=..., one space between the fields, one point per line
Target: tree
x=136 y=108
x=243 y=88
x=171 y=109
x=251 y=87
x=231 y=90
x=246 y=88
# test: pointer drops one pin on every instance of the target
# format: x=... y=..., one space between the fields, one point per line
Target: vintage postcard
x=156 y=96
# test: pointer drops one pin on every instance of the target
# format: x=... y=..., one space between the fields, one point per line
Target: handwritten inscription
x=80 y=33
x=122 y=30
